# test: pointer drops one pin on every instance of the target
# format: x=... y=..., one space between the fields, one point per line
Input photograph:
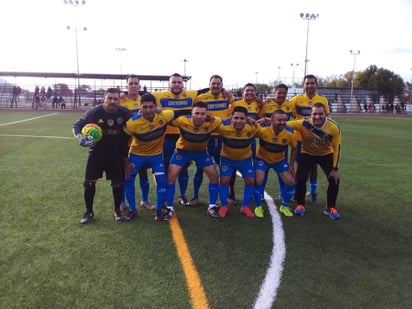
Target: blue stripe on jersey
x=304 y=110
x=287 y=128
x=194 y=137
x=237 y=143
x=152 y=135
x=217 y=105
x=316 y=131
x=176 y=103
x=273 y=147
x=137 y=116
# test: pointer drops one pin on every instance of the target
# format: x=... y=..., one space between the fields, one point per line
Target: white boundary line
x=41 y=136
x=28 y=119
x=270 y=285
x=269 y=288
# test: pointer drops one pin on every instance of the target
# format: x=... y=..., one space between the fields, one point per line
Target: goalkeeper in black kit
x=106 y=155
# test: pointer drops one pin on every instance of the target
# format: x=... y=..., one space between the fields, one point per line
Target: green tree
x=386 y=82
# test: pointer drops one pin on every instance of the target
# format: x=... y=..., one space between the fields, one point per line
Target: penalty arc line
x=28 y=119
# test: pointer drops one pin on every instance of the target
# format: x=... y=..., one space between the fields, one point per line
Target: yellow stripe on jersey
x=130 y=104
x=319 y=141
x=236 y=145
x=194 y=138
x=271 y=106
x=272 y=146
x=253 y=109
x=148 y=136
x=167 y=100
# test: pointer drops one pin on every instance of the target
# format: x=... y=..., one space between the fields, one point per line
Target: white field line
x=29 y=119
x=269 y=288
x=24 y=120
x=35 y=136
x=270 y=285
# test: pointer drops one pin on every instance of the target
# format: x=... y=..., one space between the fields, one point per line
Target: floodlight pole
x=354 y=54
x=308 y=17
x=76 y=4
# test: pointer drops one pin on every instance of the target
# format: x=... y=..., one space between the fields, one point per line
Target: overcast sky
x=243 y=41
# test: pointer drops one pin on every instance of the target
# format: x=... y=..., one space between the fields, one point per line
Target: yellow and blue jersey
x=148 y=136
x=131 y=104
x=319 y=141
x=236 y=144
x=273 y=147
x=253 y=109
x=271 y=106
x=167 y=100
x=194 y=138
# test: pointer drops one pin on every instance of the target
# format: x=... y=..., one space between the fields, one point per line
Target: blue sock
x=224 y=194
x=287 y=194
x=170 y=193
x=213 y=193
x=281 y=186
x=160 y=191
x=130 y=192
x=197 y=181
x=247 y=195
x=144 y=187
x=258 y=194
x=183 y=180
x=313 y=186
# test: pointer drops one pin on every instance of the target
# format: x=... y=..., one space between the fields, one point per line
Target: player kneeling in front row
x=271 y=153
x=108 y=154
x=321 y=141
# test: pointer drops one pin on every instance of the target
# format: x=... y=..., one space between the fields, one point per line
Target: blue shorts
x=245 y=167
x=278 y=167
x=156 y=163
x=182 y=158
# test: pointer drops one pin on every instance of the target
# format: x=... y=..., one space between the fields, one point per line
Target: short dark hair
x=240 y=109
x=175 y=75
x=148 y=97
x=310 y=76
x=318 y=104
x=112 y=90
x=281 y=86
x=216 y=76
x=249 y=85
x=132 y=76
x=200 y=104
x=278 y=111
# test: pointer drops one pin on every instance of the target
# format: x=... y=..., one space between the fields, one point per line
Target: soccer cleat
x=147 y=205
x=247 y=212
x=183 y=201
x=259 y=212
x=131 y=215
x=213 y=212
x=168 y=214
x=119 y=217
x=332 y=213
x=194 y=201
x=286 y=211
x=299 y=210
x=159 y=216
x=223 y=210
x=87 y=217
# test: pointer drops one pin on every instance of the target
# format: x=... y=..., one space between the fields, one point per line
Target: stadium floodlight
x=354 y=54
x=308 y=17
x=76 y=4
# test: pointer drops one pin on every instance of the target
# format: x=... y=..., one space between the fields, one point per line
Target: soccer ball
x=93 y=130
